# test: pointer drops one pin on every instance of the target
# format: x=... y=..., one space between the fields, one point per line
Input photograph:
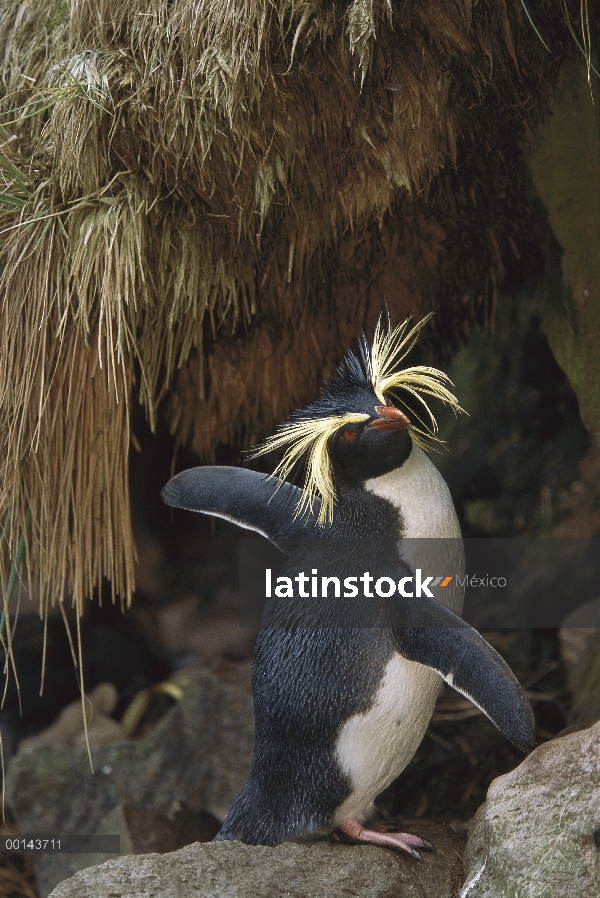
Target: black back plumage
x=312 y=671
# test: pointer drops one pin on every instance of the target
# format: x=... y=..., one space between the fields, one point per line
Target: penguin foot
x=353 y=831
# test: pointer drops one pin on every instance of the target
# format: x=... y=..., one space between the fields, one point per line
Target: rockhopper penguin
x=345 y=685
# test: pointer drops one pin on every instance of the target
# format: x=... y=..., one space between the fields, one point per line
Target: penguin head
x=356 y=430
x=372 y=447
x=369 y=436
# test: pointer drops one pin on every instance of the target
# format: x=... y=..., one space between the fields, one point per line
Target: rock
x=235 y=870
x=580 y=648
x=576 y=634
x=535 y=834
x=68 y=729
x=585 y=707
x=159 y=793
x=571 y=193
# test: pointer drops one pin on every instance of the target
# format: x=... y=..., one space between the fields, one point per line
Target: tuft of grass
x=15 y=187
x=59 y=15
x=179 y=176
x=14 y=571
x=585 y=48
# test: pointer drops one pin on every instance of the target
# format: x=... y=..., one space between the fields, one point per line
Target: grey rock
x=533 y=837
x=580 y=647
x=68 y=728
x=577 y=633
x=163 y=791
x=235 y=870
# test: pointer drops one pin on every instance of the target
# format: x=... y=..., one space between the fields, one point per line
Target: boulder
x=570 y=310
x=235 y=870
x=578 y=632
x=580 y=647
x=535 y=834
x=68 y=728
x=161 y=792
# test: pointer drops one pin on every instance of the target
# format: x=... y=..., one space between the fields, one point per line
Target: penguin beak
x=390 y=419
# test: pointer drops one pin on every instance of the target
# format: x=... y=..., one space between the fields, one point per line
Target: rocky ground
x=171 y=738
x=536 y=824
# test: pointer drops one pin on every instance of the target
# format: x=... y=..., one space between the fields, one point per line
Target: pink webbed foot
x=355 y=832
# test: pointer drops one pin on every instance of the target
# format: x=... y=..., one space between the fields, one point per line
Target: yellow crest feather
x=387 y=351
x=312 y=435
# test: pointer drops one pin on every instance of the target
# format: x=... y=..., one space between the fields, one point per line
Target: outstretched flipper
x=437 y=638
x=255 y=501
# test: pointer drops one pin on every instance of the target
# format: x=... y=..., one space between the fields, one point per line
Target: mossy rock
x=565 y=167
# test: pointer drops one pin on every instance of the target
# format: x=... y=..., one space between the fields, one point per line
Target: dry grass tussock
x=190 y=189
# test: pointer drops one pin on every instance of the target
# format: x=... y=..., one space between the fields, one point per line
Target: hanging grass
x=204 y=201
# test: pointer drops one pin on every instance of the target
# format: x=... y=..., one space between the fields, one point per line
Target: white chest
x=430 y=538
x=375 y=747
x=420 y=493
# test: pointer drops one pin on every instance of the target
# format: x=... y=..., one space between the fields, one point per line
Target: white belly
x=375 y=747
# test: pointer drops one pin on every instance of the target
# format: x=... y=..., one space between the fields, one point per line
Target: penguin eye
x=348 y=434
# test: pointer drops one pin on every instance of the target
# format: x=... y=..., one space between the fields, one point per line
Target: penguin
x=345 y=685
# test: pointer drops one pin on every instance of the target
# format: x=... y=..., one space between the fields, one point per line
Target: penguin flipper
x=251 y=500
x=438 y=639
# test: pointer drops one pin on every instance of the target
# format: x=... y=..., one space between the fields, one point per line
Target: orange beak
x=391 y=419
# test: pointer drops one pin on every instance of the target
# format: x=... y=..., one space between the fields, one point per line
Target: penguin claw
x=423 y=844
x=353 y=831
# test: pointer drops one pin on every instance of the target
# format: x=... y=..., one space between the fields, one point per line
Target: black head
x=356 y=431
x=360 y=450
